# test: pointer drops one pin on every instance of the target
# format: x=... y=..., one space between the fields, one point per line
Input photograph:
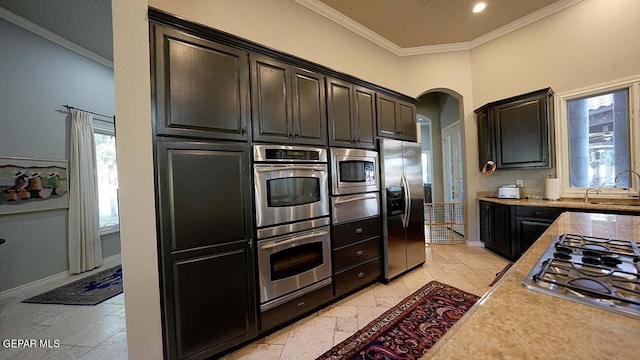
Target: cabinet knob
x=359 y=231
x=360 y=275
x=359 y=253
x=2 y=241
x=537 y=213
x=243 y=130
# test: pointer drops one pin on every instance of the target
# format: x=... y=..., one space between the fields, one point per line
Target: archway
x=441 y=130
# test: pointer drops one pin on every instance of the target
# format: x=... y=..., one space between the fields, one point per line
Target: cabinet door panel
x=407 y=120
x=201 y=88
x=214 y=302
x=521 y=134
x=339 y=104
x=501 y=230
x=196 y=202
x=270 y=92
x=485 y=223
x=484 y=138
x=529 y=230
x=309 y=110
x=365 y=118
x=386 y=116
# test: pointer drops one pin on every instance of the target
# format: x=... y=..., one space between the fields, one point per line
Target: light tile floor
x=467 y=268
x=83 y=332
x=98 y=332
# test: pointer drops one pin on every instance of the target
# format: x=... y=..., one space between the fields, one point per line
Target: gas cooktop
x=590 y=270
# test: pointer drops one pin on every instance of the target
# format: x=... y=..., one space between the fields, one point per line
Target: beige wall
x=292 y=28
x=135 y=167
x=564 y=51
x=592 y=42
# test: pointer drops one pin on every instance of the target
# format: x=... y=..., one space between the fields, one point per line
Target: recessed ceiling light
x=479 y=7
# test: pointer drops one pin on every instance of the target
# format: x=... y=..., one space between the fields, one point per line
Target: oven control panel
x=286 y=153
x=283 y=154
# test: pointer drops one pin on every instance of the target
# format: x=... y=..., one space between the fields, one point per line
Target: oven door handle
x=287 y=167
x=355 y=198
x=293 y=240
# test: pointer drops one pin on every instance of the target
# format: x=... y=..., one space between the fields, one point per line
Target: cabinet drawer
x=295 y=308
x=549 y=213
x=356 y=253
x=349 y=233
x=357 y=276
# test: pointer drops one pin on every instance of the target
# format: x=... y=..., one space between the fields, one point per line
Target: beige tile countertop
x=512 y=322
x=612 y=205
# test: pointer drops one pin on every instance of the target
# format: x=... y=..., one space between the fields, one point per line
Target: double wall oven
x=292 y=220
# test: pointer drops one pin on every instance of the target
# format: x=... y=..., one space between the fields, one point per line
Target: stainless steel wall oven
x=293 y=265
x=291 y=184
x=292 y=222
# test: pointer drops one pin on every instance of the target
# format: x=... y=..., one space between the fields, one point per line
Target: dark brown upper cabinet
x=288 y=103
x=200 y=88
x=351 y=115
x=396 y=118
x=517 y=133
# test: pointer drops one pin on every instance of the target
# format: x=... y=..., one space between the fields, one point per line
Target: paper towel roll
x=552 y=189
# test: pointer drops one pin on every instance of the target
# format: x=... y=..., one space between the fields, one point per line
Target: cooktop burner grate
x=590 y=270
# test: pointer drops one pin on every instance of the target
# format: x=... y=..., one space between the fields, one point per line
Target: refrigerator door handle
x=407 y=201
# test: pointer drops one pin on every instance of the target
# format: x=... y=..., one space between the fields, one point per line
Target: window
x=107 y=176
x=595 y=138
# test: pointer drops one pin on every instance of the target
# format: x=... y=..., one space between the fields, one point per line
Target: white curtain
x=85 y=252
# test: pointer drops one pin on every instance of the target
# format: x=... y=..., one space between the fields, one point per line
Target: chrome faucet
x=615 y=180
x=586 y=194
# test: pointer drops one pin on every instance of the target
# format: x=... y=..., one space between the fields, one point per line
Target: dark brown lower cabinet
x=207 y=276
x=495 y=228
x=357 y=249
x=212 y=313
x=528 y=231
x=509 y=230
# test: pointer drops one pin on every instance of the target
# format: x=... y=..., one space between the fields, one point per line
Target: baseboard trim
x=106 y=263
x=474 y=243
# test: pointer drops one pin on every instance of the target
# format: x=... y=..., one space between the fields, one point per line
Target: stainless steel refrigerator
x=402 y=206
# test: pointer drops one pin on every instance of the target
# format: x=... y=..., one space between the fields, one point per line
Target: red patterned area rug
x=409 y=329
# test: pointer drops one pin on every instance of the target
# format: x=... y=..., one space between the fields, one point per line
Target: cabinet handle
x=359 y=231
x=537 y=213
x=360 y=275
x=243 y=130
x=359 y=253
x=301 y=305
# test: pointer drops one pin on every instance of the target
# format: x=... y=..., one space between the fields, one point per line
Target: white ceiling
x=84 y=22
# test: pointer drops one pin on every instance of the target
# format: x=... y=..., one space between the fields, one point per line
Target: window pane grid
x=599 y=139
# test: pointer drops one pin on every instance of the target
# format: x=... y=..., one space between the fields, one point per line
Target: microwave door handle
x=355 y=198
x=280 y=168
x=292 y=240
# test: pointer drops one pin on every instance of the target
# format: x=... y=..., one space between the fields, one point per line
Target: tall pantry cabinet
x=203 y=193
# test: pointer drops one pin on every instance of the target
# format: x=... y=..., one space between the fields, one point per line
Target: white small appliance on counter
x=509 y=192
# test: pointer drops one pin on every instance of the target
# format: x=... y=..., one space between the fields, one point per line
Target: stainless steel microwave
x=354 y=171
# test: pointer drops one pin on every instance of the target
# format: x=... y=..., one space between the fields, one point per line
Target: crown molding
x=340 y=19
x=523 y=21
x=53 y=37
